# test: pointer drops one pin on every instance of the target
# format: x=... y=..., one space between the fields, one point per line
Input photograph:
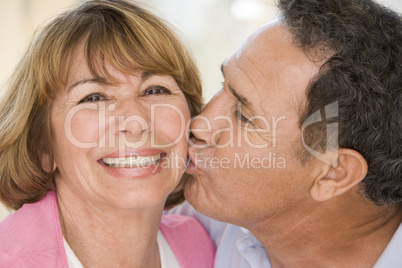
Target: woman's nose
x=133 y=126
x=131 y=121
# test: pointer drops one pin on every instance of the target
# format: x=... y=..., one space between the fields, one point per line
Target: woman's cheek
x=84 y=128
x=171 y=124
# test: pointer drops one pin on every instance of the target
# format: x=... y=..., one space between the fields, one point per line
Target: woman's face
x=122 y=144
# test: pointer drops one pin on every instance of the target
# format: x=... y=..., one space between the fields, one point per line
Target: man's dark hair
x=363 y=43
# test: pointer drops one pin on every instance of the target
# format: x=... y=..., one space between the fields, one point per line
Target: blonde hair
x=123 y=34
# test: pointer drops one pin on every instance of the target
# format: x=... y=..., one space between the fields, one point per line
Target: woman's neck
x=106 y=237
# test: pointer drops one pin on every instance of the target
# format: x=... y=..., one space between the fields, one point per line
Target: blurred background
x=212 y=29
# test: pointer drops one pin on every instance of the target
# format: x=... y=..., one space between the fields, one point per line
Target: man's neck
x=349 y=231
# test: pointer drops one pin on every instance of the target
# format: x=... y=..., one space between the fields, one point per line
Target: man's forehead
x=270 y=51
x=268 y=63
x=256 y=52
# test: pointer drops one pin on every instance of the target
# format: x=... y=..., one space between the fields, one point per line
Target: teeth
x=132 y=161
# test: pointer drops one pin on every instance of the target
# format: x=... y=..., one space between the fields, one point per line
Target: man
x=302 y=146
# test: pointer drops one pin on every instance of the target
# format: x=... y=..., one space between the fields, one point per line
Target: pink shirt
x=32 y=237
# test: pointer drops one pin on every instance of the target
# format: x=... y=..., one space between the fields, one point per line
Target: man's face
x=244 y=163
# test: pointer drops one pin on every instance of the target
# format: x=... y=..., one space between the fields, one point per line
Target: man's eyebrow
x=242 y=99
x=222 y=66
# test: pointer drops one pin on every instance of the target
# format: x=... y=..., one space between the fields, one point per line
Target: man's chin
x=189 y=189
x=195 y=195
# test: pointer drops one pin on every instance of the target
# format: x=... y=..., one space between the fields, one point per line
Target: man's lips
x=191 y=155
x=190 y=166
x=194 y=153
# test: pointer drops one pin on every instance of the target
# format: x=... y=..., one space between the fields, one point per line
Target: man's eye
x=241 y=117
x=157 y=90
x=93 y=97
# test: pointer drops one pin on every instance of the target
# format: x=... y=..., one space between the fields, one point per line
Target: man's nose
x=205 y=127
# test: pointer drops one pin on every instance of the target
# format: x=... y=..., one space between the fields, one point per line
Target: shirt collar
x=392 y=257
x=252 y=250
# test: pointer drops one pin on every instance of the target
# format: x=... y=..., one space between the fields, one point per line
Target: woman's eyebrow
x=86 y=80
x=144 y=76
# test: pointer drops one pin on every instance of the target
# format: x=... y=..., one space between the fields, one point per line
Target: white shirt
x=392 y=255
x=72 y=260
x=239 y=248
x=167 y=257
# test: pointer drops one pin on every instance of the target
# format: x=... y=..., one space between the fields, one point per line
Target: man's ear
x=47 y=163
x=351 y=169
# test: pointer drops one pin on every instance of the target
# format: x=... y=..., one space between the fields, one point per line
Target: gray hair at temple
x=361 y=42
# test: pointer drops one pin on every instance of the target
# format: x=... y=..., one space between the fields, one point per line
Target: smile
x=132 y=161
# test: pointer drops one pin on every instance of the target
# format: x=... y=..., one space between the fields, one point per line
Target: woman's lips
x=133 y=161
x=132 y=164
x=133 y=153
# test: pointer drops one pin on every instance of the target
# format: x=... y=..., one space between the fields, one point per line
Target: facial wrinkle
x=249 y=65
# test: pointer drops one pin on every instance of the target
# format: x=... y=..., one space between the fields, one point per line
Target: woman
x=93 y=144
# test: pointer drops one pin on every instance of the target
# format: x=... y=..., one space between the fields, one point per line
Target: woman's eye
x=93 y=98
x=241 y=117
x=157 y=90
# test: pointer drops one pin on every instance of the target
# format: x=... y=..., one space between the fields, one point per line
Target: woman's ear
x=47 y=162
x=351 y=169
